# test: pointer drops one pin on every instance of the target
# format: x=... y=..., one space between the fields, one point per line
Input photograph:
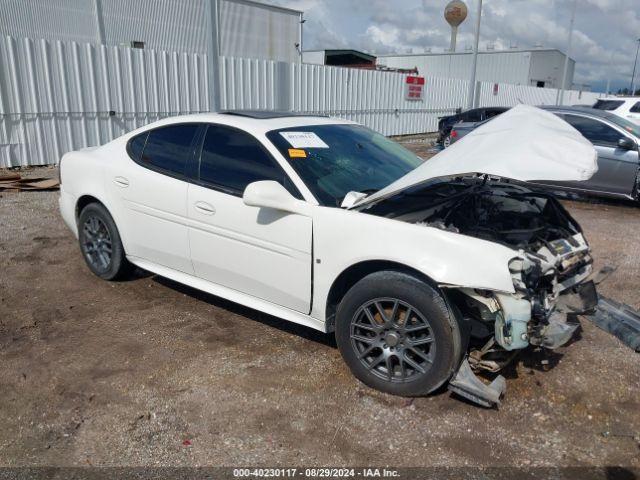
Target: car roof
x=267 y=114
x=257 y=122
x=622 y=99
x=578 y=109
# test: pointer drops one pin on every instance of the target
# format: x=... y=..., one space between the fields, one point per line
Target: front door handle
x=121 y=182
x=205 y=208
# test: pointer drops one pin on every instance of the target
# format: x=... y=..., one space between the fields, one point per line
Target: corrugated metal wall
x=374 y=98
x=57 y=96
x=247 y=29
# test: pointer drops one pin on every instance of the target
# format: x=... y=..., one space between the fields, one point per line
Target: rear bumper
x=67 y=204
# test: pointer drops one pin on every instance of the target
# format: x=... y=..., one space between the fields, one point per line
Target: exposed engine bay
x=550 y=269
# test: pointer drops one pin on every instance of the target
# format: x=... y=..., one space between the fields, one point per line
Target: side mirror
x=627 y=144
x=270 y=194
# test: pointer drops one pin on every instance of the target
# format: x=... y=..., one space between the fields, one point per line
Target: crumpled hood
x=524 y=143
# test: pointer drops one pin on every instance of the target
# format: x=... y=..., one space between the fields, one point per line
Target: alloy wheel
x=96 y=243
x=392 y=339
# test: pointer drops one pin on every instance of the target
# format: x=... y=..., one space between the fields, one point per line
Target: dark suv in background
x=474 y=115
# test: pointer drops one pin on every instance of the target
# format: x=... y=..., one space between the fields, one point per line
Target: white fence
x=61 y=96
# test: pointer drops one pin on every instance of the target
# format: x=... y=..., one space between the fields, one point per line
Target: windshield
x=334 y=160
x=608 y=104
x=630 y=127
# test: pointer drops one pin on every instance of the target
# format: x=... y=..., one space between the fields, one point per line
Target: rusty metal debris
x=14 y=182
x=620 y=320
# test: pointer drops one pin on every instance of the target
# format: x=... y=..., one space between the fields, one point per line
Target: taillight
x=454 y=134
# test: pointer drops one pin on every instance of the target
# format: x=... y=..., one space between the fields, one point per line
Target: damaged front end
x=551 y=267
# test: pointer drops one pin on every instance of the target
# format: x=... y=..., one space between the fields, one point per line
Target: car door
x=257 y=251
x=617 y=167
x=152 y=189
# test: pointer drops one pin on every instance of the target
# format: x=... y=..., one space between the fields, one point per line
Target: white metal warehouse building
x=541 y=68
x=246 y=28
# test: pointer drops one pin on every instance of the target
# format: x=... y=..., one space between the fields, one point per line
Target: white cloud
x=603 y=42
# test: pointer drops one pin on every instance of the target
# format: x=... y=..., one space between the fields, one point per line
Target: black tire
x=355 y=334
x=446 y=142
x=100 y=243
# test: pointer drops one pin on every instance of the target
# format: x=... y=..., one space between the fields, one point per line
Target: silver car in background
x=616 y=140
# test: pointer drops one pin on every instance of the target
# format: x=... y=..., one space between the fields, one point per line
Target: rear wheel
x=100 y=243
x=397 y=335
x=447 y=141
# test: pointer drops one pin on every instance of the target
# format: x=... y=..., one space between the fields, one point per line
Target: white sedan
x=425 y=271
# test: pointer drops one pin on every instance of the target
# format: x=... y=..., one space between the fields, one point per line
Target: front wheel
x=397 y=335
x=100 y=243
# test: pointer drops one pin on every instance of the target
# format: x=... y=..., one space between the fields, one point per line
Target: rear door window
x=635 y=108
x=597 y=132
x=472 y=116
x=168 y=149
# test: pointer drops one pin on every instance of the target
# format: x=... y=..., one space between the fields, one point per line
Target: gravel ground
x=147 y=372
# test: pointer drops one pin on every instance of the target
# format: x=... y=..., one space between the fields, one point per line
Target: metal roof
x=469 y=52
x=267 y=114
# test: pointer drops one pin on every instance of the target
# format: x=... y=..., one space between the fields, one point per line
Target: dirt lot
x=146 y=372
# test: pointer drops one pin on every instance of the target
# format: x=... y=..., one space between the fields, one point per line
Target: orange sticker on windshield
x=297 y=153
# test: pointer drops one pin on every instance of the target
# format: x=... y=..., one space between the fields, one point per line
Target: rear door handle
x=205 y=208
x=121 y=182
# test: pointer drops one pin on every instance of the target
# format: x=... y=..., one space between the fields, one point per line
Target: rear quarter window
x=608 y=104
x=136 y=145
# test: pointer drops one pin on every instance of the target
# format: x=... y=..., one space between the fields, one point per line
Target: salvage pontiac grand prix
x=426 y=272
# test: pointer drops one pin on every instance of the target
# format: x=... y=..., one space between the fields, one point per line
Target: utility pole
x=560 y=96
x=213 y=54
x=608 y=91
x=633 y=75
x=472 y=84
x=300 y=59
x=97 y=7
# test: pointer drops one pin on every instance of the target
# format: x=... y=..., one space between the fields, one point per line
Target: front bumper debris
x=618 y=319
x=467 y=385
x=556 y=333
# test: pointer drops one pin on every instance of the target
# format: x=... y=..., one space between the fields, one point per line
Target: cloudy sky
x=604 y=41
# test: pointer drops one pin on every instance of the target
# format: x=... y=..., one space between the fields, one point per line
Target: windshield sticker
x=304 y=140
x=297 y=153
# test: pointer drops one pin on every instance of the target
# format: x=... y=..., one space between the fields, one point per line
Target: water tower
x=455 y=13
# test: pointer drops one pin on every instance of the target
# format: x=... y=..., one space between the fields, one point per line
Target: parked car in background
x=330 y=225
x=625 y=107
x=474 y=115
x=460 y=130
x=616 y=140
